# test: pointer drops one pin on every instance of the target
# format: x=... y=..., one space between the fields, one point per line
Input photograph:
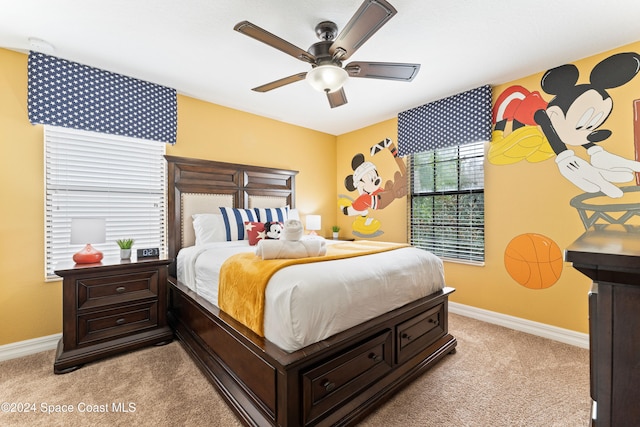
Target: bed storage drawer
x=415 y=334
x=332 y=383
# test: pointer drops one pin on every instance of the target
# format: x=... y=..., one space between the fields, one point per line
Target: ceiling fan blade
x=383 y=70
x=337 y=98
x=372 y=15
x=279 y=83
x=252 y=30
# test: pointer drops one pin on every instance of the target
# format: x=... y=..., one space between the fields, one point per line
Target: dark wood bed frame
x=337 y=381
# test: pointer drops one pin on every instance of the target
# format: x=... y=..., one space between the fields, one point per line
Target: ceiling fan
x=326 y=56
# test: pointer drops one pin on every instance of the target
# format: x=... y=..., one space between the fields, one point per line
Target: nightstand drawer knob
x=328 y=385
x=120 y=289
x=120 y=321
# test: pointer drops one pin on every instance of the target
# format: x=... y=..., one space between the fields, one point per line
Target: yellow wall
x=31 y=307
x=512 y=207
x=519 y=198
x=534 y=198
x=209 y=131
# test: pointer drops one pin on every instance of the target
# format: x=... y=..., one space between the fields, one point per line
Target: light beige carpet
x=498 y=377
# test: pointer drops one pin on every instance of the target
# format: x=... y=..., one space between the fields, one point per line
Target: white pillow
x=209 y=228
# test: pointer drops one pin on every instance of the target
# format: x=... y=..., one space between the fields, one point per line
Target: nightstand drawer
x=109 y=324
x=117 y=288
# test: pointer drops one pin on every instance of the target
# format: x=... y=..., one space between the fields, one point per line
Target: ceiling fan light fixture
x=327 y=78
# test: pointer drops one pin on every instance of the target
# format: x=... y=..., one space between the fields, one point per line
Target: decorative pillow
x=273 y=214
x=262 y=231
x=234 y=220
x=208 y=228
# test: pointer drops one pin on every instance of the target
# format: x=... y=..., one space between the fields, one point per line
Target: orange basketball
x=533 y=260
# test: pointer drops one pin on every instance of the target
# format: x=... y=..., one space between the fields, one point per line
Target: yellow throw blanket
x=244 y=278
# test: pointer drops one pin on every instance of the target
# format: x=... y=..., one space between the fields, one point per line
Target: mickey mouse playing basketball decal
x=527 y=127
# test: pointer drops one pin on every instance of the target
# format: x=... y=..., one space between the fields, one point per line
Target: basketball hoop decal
x=597 y=209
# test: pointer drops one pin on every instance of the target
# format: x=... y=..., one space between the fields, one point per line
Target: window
x=95 y=175
x=447 y=202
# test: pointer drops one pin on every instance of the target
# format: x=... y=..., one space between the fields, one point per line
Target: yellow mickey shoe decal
x=344 y=202
x=364 y=226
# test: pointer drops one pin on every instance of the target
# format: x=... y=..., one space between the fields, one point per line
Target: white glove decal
x=622 y=169
x=585 y=176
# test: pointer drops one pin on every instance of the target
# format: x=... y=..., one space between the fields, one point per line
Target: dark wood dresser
x=610 y=256
x=111 y=307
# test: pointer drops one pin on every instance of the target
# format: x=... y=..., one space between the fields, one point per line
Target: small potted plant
x=125 y=247
x=336 y=230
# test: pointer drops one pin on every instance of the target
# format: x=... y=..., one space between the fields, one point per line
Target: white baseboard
x=27 y=347
x=566 y=336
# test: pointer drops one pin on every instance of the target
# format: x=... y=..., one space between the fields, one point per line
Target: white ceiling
x=190 y=45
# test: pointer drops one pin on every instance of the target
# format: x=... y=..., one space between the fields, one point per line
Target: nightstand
x=111 y=307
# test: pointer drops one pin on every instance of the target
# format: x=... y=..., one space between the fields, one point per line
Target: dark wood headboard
x=185 y=175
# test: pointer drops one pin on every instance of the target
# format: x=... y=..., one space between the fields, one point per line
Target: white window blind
x=95 y=175
x=447 y=202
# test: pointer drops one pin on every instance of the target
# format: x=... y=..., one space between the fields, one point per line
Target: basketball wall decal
x=533 y=260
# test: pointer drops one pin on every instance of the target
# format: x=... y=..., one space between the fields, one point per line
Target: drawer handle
x=406 y=337
x=120 y=321
x=434 y=321
x=375 y=357
x=120 y=289
x=328 y=385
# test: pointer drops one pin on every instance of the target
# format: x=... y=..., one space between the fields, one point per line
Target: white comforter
x=307 y=303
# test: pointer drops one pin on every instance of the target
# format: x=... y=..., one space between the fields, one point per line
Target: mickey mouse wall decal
x=529 y=126
x=371 y=195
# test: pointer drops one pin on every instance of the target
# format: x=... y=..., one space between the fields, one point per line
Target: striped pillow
x=273 y=214
x=234 y=220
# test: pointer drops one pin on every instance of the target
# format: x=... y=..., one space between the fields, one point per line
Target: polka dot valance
x=460 y=119
x=72 y=95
